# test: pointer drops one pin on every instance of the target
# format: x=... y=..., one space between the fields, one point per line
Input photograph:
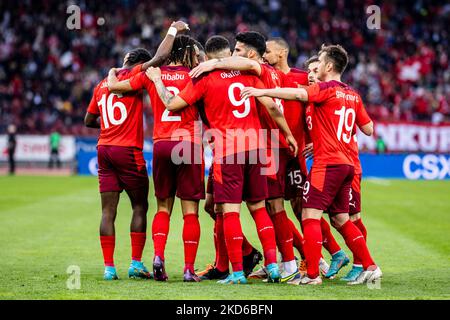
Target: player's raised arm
x=282 y=93
x=116 y=86
x=172 y=102
x=229 y=63
x=163 y=51
x=279 y=119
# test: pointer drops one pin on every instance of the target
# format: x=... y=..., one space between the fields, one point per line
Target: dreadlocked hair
x=183 y=51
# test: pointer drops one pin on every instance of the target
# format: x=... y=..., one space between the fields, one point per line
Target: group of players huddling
x=237 y=102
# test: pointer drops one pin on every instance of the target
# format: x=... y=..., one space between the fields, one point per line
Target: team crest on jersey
x=274 y=76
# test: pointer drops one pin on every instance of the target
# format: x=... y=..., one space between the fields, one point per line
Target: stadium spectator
x=47 y=71
x=12 y=143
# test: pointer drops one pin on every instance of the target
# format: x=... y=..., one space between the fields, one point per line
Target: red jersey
x=169 y=125
x=271 y=78
x=337 y=108
x=121 y=115
x=294 y=111
x=355 y=155
x=230 y=116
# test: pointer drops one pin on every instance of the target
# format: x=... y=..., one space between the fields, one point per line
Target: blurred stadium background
x=47 y=72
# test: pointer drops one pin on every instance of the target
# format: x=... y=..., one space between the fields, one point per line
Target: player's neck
x=175 y=64
x=333 y=76
x=283 y=66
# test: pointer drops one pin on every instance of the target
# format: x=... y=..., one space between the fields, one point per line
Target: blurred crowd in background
x=47 y=72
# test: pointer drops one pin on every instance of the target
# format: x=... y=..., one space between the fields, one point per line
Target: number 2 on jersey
x=344 y=115
x=166 y=117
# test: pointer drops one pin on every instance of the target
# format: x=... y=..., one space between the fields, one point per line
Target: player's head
x=250 y=44
x=332 y=59
x=311 y=65
x=11 y=129
x=201 y=54
x=217 y=47
x=277 y=50
x=184 y=52
x=136 y=56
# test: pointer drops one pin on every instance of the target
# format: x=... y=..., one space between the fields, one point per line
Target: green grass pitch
x=50 y=223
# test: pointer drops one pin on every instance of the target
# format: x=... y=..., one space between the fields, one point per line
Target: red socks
x=266 y=234
x=359 y=224
x=160 y=231
x=283 y=235
x=191 y=236
x=247 y=248
x=233 y=237
x=356 y=243
x=329 y=242
x=297 y=239
x=108 y=244
x=312 y=246
x=222 y=262
x=137 y=245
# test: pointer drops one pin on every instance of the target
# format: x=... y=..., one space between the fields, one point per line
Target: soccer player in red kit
x=247 y=55
x=219 y=47
x=120 y=158
x=277 y=53
x=174 y=133
x=337 y=108
x=237 y=169
x=339 y=258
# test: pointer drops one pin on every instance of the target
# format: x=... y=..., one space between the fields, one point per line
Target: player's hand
x=180 y=26
x=308 y=151
x=251 y=92
x=114 y=70
x=203 y=67
x=153 y=73
x=292 y=144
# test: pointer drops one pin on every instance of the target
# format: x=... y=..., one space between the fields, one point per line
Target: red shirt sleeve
x=193 y=91
x=93 y=106
x=138 y=81
x=362 y=118
x=316 y=94
x=136 y=70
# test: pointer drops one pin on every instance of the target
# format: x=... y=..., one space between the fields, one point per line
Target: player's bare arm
x=282 y=93
x=229 y=63
x=279 y=119
x=116 y=86
x=163 y=51
x=172 y=102
x=92 y=120
x=367 y=129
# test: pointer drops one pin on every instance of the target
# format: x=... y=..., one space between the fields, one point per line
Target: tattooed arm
x=172 y=102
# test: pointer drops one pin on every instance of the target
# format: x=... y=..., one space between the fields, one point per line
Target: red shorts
x=235 y=182
x=184 y=179
x=295 y=180
x=121 y=168
x=276 y=184
x=209 y=184
x=328 y=188
x=355 y=195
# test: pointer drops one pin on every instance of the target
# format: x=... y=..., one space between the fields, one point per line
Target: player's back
x=171 y=125
x=121 y=114
x=272 y=78
x=225 y=111
x=337 y=108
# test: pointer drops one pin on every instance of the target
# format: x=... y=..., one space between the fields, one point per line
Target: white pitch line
x=379 y=181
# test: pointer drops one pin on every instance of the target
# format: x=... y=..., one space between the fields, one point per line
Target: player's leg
x=284 y=237
x=352 y=235
x=109 y=201
x=160 y=233
x=110 y=188
x=339 y=258
x=164 y=181
x=191 y=237
x=138 y=232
